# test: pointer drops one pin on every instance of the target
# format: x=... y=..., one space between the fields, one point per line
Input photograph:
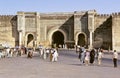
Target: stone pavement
x=68 y=66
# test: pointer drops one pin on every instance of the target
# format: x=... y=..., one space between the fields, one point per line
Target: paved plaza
x=68 y=66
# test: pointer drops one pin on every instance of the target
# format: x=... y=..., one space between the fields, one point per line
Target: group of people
x=11 y=52
x=44 y=53
x=87 y=56
x=52 y=53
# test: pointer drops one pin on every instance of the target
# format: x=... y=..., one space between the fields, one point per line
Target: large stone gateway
x=58 y=39
x=84 y=28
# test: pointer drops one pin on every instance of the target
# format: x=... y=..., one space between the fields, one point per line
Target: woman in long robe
x=92 y=56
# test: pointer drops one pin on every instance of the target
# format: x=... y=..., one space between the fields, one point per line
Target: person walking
x=55 y=56
x=100 y=55
x=87 y=57
x=30 y=53
x=115 y=57
x=82 y=59
x=79 y=52
x=83 y=52
x=92 y=56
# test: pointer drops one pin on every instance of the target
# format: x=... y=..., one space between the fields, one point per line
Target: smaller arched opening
x=30 y=40
x=81 y=40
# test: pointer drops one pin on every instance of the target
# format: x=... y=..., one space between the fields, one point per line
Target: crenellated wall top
x=103 y=15
x=21 y=13
x=92 y=11
x=61 y=15
x=116 y=14
x=56 y=15
x=6 y=17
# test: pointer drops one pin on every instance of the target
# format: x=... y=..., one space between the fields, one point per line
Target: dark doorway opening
x=30 y=39
x=81 y=39
x=57 y=39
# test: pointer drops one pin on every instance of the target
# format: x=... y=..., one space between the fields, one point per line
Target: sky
x=11 y=7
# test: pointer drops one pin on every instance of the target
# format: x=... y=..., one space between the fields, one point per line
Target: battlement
x=6 y=17
x=27 y=13
x=103 y=15
x=57 y=14
x=83 y=12
x=92 y=11
x=116 y=14
x=80 y=12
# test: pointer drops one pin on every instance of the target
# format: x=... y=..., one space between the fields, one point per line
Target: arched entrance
x=81 y=39
x=57 y=39
x=30 y=40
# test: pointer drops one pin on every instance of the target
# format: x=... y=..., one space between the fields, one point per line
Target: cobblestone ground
x=68 y=66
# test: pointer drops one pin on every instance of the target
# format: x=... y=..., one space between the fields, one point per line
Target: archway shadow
x=103 y=35
x=15 y=33
x=68 y=28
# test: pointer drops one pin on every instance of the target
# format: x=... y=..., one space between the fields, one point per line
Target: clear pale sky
x=43 y=6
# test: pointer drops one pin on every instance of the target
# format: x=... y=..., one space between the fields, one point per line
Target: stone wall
x=103 y=31
x=50 y=23
x=30 y=24
x=116 y=31
x=80 y=25
x=8 y=30
x=80 y=22
x=105 y=27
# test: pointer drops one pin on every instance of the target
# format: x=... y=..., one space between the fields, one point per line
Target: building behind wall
x=84 y=28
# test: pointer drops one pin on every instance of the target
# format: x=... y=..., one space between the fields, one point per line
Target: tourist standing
x=115 y=57
x=83 y=51
x=87 y=57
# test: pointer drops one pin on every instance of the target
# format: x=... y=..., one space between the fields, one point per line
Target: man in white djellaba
x=55 y=55
x=100 y=56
